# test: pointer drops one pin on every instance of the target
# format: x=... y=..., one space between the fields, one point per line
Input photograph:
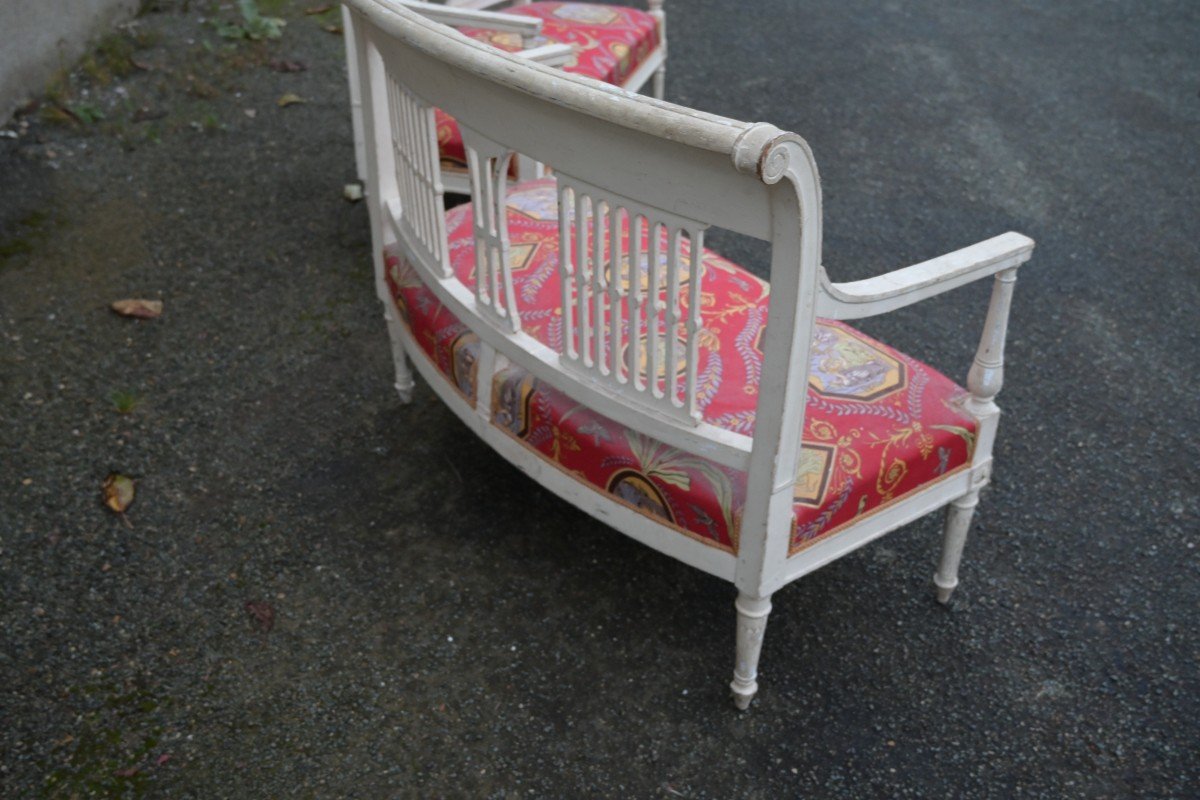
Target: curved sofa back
x=639 y=180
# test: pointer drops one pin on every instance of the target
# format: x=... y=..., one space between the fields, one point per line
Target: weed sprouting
x=254 y=25
x=124 y=402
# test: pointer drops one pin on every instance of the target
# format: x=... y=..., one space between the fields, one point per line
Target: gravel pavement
x=319 y=592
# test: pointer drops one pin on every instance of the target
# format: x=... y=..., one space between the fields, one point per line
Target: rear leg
x=404 y=375
x=751 y=625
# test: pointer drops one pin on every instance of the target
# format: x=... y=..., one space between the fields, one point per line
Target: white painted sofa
x=617 y=44
x=578 y=326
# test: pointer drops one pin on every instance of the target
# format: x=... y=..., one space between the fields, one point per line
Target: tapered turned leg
x=404 y=376
x=751 y=625
x=958 y=522
x=660 y=82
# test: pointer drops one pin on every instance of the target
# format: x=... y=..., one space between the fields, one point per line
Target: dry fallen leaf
x=118 y=492
x=289 y=99
x=287 y=65
x=334 y=29
x=142 y=309
x=262 y=614
x=321 y=9
x=146 y=113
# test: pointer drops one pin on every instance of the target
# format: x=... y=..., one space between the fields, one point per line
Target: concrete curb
x=41 y=36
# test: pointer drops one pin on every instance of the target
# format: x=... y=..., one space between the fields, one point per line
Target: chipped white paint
x=751 y=627
x=525 y=27
x=671 y=172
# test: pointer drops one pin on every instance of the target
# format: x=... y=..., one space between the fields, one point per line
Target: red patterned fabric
x=610 y=42
x=879 y=424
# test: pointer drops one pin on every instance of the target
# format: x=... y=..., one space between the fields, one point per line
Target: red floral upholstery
x=879 y=424
x=610 y=42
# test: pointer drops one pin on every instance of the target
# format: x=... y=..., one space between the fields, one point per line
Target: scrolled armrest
x=520 y=24
x=905 y=286
x=552 y=55
x=474 y=3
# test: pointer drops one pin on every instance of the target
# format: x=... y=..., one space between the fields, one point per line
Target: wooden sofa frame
x=653 y=67
x=478 y=14
x=681 y=171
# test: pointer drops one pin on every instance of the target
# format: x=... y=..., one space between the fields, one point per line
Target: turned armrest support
x=909 y=285
x=987 y=370
x=526 y=27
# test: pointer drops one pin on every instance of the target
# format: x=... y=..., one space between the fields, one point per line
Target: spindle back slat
x=623 y=279
x=420 y=216
x=488 y=164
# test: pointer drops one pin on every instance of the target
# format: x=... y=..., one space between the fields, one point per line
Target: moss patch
x=26 y=234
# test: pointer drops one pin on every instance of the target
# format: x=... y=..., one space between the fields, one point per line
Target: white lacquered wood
x=463 y=16
x=552 y=55
x=784 y=162
x=543 y=119
x=404 y=376
x=984 y=381
x=987 y=372
x=475 y=3
x=485 y=3
x=603 y=507
x=899 y=513
x=422 y=215
x=356 y=113
x=958 y=522
x=650 y=68
x=488 y=169
x=600 y=321
x=373 y=123
x=716 y=444
x=752 y=615
x=664 y=173
x=903 y=287
x=490 y=362
x=658 y=64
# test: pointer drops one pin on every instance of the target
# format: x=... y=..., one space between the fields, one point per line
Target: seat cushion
x=610 y=42
x=878 y=424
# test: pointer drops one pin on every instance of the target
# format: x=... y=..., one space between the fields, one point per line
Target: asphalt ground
x=321 y=592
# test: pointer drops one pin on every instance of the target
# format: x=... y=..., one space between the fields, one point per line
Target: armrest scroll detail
x=527 y=27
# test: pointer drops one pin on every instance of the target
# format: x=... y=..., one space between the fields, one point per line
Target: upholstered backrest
x=623 y=162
